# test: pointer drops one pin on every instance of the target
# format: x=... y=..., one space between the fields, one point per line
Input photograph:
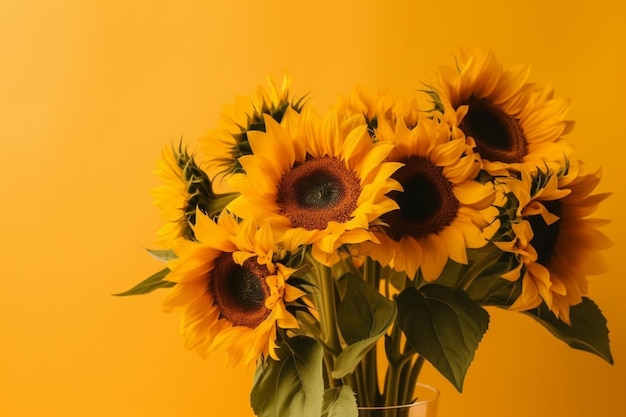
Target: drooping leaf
x=363 y=316
x=293 y=385
x=153 y=282
x=444 y=326
x=164 y=255
x=588 y=330
x=339 y=402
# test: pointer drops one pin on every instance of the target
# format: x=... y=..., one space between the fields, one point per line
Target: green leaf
x=150 y=284
x=293 y=385
x=342 y=269
x=488 y=287
x=164 y=255
x=449 y=276
x=339 y=402
x=398 y=279
x=493 y=290
x=363 y=316
x=588 y=330
x=444 y=326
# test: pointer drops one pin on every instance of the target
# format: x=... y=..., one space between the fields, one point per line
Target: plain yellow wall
x=90 y=91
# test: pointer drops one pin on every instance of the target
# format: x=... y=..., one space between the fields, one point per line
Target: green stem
x=360 y=388
x=412 y=380
x=369 y=364
x=371 y=376
x=395 y=362
x=352 y=380
x=371 y=272
x=363 y=389
x=328 y=318
x=329 y=365
x=403 y=391
x=405 y=362
x=392 y=384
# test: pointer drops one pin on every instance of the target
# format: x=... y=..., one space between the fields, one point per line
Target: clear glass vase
x=425 y=405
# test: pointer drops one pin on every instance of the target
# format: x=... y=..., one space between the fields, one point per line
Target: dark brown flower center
x=240 y=291
x=318 y=191
x=545 y=236
x=499 y=137
x=427 y=203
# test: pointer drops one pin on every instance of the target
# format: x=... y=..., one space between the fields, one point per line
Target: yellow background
x=90 y=91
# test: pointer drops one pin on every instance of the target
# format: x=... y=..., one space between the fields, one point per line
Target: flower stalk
x=328 y=319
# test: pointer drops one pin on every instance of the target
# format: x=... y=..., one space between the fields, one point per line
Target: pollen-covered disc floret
x=317 y=181
x=318 y=191
x=439 y=213
x=509 y=119
x=234 y=295
x=555 y=243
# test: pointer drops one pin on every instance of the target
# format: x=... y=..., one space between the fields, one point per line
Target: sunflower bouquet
x=339 y=252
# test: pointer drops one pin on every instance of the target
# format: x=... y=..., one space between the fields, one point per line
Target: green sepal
x=363 y=316
x=339 y=402
x=256 y=122
x=164 y=255
x=435 y=100
x=444 y=326
x=153 y=282
x=293 y=385
x=200 y=191
x=588 y=330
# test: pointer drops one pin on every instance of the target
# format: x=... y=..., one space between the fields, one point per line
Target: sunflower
x=556 y=244
x=380 y=109
x=318 y=181
x=171 y=197
x=233 y=294
x=220 y=148
x=510 y=119
x=439 y=210
x=185 y=187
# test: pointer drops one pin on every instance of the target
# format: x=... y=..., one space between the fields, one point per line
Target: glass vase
x=425 y=405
